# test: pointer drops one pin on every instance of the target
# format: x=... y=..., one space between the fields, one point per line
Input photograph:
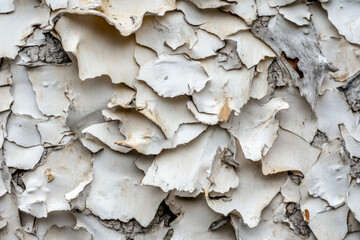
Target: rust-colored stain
x=206 y=192
x=340 y=78
x=293 y=63
x=48 y=174
x=123 y=144
x=100 y=9
x=225 y=112
x=307 y=215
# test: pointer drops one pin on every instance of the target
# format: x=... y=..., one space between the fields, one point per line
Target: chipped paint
x=179 y=119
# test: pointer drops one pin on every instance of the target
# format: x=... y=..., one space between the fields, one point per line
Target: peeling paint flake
x=179 y=119
x=174 y=75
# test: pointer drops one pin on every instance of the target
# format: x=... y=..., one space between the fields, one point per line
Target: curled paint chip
x=48 y=184
x=174 y=75
x=256 y=118
x=116 y=191
x=127 y=17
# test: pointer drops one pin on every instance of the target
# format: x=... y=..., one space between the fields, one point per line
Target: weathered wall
x=179 y=119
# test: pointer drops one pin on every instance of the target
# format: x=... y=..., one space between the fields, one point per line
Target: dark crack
x=293 y=213
x=295 y=178
x=219 y=223
x=16 y=178
x=319 y=139
x=133 y=227
x=352 y=92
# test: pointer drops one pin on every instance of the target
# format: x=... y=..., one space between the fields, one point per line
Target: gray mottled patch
x=298 y=48
x=355 y=167
x=275 y=77
x=133 y=228
x=319 y=139
x=51 y=52
x=352 y=92
x=300 y=226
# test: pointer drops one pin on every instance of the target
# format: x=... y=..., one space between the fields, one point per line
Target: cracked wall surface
x=179 y=119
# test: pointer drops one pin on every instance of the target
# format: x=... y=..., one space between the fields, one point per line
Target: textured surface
x=179 y=119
